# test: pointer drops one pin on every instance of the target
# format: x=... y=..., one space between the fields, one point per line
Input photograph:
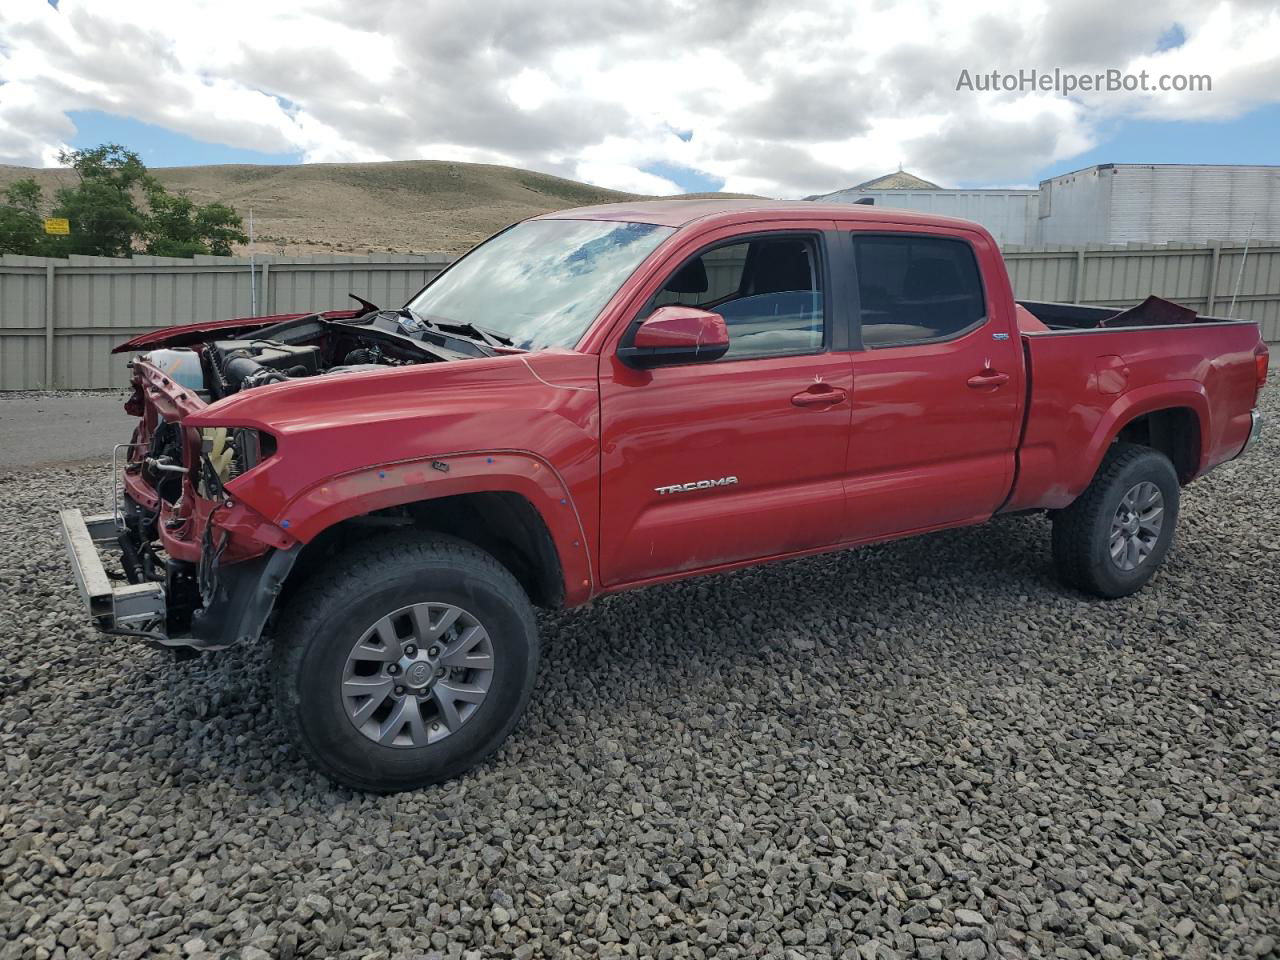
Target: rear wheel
x=405 y=663
x=1111 y=541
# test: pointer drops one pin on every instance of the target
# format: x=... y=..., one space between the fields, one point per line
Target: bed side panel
x=1086 y=385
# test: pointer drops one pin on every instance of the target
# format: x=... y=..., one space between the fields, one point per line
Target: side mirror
x=676 y=334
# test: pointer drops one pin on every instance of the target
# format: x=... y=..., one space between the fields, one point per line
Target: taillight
x=1260 y=361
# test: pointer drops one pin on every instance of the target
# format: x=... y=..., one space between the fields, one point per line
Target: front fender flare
x=363 y=491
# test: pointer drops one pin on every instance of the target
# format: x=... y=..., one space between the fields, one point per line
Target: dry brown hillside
x=410 y=206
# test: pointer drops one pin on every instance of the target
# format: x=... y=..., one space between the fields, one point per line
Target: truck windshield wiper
x=474 y=331
x=492 y=336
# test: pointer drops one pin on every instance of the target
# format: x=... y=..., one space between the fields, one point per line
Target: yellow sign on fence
x=58 y=225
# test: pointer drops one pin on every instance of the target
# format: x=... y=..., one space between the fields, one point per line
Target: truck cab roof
x=680 y=213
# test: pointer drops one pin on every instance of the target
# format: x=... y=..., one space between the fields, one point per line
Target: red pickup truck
x=617 y=396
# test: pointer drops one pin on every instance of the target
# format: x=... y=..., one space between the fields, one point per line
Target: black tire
x=1082 y=531
x=338 y=604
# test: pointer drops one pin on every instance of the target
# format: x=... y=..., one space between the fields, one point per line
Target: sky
x=783 y=99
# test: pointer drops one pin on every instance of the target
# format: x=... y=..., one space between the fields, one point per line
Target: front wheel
x=406 y=662
x=1111 y=540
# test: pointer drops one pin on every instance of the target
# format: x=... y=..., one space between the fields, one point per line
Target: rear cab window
x=916 y=289
x=769 y=290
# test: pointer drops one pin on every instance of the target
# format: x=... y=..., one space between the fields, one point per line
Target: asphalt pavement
x=48 y=428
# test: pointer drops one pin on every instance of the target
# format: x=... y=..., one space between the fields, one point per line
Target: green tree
x=178 y=227
x=103 y=206
x=116 y=207
x=21 y=227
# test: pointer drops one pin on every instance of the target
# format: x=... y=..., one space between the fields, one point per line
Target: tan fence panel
x=1257 y=284
x=1203 y=277
x=301 y=286
x=23 y=287
x=1047 y=275
x=82 y=306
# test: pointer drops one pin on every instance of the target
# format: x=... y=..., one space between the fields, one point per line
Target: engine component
x=231 y=452
x=362 y=355
x=219 y=452
x=397 y=321
x=181 y=364
x=357 y=367
x=165 y=448
x=241 y=364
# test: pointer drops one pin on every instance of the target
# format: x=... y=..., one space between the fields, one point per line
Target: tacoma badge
x=696 y=485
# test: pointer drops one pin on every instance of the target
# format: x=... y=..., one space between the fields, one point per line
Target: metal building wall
x=1193 y=203
x=1010 y=215
x=1074 y=208
x=1161 y=203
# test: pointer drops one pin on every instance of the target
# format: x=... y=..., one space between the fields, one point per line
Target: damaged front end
x=195 y=566
x=190 y=565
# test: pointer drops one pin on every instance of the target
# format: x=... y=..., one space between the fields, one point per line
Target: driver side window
x=768 y=290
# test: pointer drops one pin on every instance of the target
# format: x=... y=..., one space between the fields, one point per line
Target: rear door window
x=916 y=289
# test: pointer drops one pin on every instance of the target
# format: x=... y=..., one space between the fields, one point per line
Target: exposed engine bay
x=315 y=345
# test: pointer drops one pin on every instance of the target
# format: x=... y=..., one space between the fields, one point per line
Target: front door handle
x=814 y=397
x=988 y=378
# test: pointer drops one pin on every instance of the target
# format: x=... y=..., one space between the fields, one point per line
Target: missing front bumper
x=113 y=607
x=242 y=600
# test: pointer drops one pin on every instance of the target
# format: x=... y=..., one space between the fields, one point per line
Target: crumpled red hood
x=189 y=333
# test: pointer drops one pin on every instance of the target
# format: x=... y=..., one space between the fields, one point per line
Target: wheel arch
x=503 y=523
x=513 y=504
x=1170 y=417
x=1174 y=431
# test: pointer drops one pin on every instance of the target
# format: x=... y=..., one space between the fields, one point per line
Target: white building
x=1107 y=203
x=1161 y=203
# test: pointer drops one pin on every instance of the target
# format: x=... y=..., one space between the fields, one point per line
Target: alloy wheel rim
x=1136 y=526
x=417 y=675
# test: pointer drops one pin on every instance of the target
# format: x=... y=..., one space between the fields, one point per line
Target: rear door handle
x=989 y=379
x=819 y=398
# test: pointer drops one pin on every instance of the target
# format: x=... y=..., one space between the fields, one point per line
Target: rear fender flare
x=1132 y=405
x=410 y=481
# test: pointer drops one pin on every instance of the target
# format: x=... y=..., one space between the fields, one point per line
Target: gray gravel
x=927 y=748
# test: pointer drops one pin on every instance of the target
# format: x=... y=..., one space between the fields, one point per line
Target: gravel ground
x=926 y=748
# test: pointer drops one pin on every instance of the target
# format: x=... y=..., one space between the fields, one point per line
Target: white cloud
x=780 y=98
x=530 y=89
x=620 y=176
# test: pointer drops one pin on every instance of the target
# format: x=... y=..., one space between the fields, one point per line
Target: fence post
x=264 y=296
x=1212 y=293
x=48 y=325
x=1077 y=282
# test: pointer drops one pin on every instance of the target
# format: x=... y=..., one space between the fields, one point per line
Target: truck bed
x=1090 y=374
x=1152 y=312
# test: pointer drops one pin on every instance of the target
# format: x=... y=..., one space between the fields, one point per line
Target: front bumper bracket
x=244 y=597
x=113 y=606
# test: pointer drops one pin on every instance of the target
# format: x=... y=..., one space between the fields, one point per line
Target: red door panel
x=752 y=420
x=935 y=424
x=928 y=447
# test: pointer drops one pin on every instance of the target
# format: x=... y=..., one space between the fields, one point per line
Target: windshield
x=542 y=282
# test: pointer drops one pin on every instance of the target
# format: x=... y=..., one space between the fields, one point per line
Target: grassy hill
x=409 y=206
